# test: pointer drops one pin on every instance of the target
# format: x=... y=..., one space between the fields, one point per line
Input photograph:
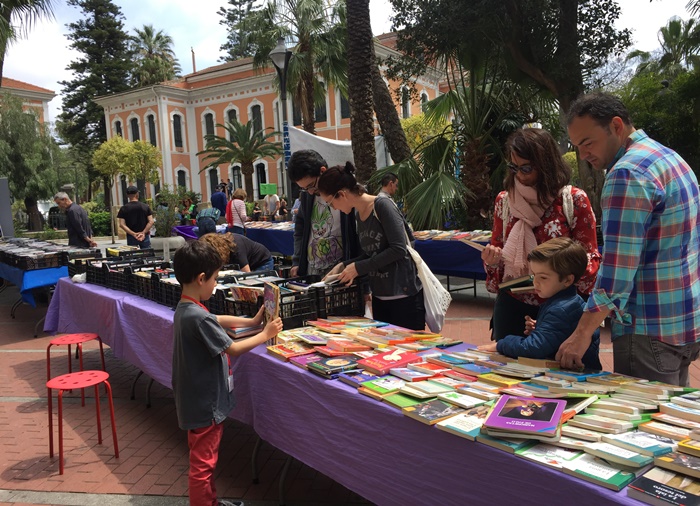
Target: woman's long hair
x=542 y=151
x=222 y=243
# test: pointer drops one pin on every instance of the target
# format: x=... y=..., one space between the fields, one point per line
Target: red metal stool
x=82 y=379
x=77 y=339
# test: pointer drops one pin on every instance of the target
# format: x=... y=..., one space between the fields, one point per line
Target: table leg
x=133 y=385
x=283 y=477
x=14 y=307
x=36 y=327
x=254 y=459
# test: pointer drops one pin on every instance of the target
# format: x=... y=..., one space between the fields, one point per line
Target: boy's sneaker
x=230 y=503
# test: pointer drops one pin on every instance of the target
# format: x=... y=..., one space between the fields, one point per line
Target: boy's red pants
x=204 y=453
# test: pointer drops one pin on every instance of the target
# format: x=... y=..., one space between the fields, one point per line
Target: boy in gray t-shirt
x=202 y=375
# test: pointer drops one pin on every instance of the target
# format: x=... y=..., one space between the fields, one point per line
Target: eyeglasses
x=514 y=168
x=310 y=186
x=330 y=202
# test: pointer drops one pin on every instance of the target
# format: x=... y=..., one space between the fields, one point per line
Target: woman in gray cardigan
x=397 y=294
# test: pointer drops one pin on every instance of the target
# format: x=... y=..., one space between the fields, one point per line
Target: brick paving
x=153 y=451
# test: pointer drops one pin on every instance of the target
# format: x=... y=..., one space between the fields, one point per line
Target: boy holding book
x=202 y=374
x=556 y=265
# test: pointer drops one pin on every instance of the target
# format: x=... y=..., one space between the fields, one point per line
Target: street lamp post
x=280 y=57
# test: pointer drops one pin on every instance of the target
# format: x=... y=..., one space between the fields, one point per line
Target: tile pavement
x=153 y=452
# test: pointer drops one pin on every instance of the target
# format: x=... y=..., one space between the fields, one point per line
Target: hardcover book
x=660 y=486
x=431 y=412
x=526 y=415
x=383 y=362
x=680 y=463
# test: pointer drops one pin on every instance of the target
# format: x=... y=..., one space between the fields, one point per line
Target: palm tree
x=680 y=41
x=241 y=144
x=317 y=29
x=16 y=19
x=154 y=55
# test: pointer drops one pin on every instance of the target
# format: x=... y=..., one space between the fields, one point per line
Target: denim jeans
x=267 y=266
x=146 y=243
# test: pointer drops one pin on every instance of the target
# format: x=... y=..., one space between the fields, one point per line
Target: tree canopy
x=154 y=58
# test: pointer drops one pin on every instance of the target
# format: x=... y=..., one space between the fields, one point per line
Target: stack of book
x=528 y=418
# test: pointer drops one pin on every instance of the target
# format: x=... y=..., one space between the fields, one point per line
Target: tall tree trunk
x=307 y=106
x=247 y=170
x=387 y=116
x=36 y=220
x=360 y=63
x=6 y=15
x=106 y=184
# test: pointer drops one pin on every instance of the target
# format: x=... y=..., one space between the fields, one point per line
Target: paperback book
x=526 y=416
x=467 y=424
x=661 y=486
x=622 y=456
x=384 y=362
x=645 y=443
x=600 y=471
x=680 y=463
x=433 y=411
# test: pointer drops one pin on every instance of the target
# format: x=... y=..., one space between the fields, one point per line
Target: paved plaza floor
x=152 y=468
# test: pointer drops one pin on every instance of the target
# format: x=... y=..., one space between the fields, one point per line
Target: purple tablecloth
x=364 y=444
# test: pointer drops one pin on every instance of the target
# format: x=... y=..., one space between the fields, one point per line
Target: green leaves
x=136 y=160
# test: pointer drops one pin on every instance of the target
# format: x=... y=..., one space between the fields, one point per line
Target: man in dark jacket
x=77 y=222
x=322 y=235
x=219 y=200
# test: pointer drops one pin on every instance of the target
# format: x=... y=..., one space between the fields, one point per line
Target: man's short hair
x=61 y=196
x=599 y=106
x=132 y=190
x=193 y=259
x=305 y=162
x=389 y=177
x=564 y=255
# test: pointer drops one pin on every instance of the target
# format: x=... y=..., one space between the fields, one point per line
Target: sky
x=42 y=57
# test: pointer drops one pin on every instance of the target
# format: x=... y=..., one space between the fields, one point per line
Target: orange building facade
x=33 y=97
x=176 y=115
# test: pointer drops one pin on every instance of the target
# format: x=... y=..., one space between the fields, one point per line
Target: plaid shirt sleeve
x=628 y=202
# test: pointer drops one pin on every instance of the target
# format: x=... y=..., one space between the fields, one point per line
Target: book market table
x=447 y=258
x=367 y=446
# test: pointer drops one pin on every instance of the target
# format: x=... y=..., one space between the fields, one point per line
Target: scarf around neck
x=521 y=239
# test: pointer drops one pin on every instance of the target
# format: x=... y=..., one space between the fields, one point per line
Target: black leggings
x=509 y=316
x=408 y=312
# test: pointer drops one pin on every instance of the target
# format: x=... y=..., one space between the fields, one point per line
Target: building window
x=213 y=180
x=232 y=116
x=423 y=100
x=296 y=114
x=344 y=107
x=256 y=113
x=152 y=129
x=261 y=176
x=320 y=113
x=177 y=131
x=118 y=128
x=209 y=124
x=405 y=103
x=135 y=129
x=182 y=178
x=237 y=178
x=156 y=187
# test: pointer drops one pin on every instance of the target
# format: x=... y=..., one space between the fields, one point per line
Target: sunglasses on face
x=514 y=168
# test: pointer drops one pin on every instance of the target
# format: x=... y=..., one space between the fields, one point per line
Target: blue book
x=577 y=375
x=472 y=369
x=354 y=378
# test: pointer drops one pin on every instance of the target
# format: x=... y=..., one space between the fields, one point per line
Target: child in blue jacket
x=555 y=265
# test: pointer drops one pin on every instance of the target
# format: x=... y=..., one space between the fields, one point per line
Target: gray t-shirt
x=200 y=368
x=385 y=258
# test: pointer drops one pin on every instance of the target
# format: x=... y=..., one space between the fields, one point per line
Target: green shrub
x=570 y=158
x=49 y=234
x=100 y=222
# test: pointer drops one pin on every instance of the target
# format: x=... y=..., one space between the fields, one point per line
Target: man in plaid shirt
x=648 y=282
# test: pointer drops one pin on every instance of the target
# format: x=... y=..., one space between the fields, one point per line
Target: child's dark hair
x=563 y=255
x=195 y=258
x=340 y=177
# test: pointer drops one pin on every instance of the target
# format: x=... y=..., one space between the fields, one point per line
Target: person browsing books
x=397 y=294
x=202 y=375
x=323 y=236
x=238 y=249
x=537 y=205
x=236 y=216
x=649 y=281
x=556 y=266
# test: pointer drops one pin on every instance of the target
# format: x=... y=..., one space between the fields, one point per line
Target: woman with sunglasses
x=397 y=294
x=537 y=205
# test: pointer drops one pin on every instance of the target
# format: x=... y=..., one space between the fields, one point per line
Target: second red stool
x=77 y=339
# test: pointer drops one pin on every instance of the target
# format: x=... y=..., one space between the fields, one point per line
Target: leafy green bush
x=570 y=158
x=100 y=222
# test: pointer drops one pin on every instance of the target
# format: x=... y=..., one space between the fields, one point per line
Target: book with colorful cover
x=303 y=361
x=600 y=471
x=680 y=411
x=663 y=429
x=471 y=369
x=383 y=362
x=680 y=463
x=498 y=380
x=400 y=401
x=575 y=376
x=271 y=297
x=410 y=375
x=346 y=345
x=675 y=420
x=428 y=367
x=661 y=486
x=467 y=424
x=330 y=352
x=431 y=412
x=526 y=415
x=312 y=338
x=356 y=376
x=382 y=386
x=548 y=454
x=506 y=444
x=461 y=400
x=689 y=446
x=475 y=392
x=334 y=365
x=288 y=350
x=450 y=382
x=467 y=378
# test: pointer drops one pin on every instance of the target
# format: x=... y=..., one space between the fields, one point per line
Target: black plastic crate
x=146 y=286
x=217 y=302
x=117 y=277
x=338 y=300
x=40 y=261
x=95 y=274
x=77 y=266
x=129 y=254
x=296 y=308
x=241 y=307
x=168 y=294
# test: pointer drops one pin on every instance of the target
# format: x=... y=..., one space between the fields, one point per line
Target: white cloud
x=645 y=18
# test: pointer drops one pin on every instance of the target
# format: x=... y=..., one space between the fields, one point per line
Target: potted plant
x=166 y=213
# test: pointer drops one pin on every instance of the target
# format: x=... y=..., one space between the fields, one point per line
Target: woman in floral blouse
x=537 y=205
